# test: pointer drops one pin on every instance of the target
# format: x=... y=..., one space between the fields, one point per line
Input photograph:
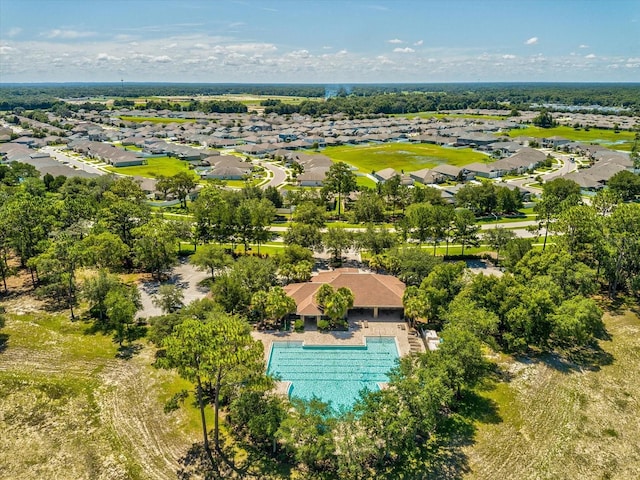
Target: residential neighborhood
x=230 y=146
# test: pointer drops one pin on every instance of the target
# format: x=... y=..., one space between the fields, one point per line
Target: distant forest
x=362 y=99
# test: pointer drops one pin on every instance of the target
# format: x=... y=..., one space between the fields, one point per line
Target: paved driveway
x=186 y=276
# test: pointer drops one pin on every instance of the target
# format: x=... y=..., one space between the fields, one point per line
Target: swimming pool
x=333 y=373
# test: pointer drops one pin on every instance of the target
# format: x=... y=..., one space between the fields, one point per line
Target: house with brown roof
x=372 y=291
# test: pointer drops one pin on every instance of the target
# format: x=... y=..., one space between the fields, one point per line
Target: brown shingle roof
x=369 y=290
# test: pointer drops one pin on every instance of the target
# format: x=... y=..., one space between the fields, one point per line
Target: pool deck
x=358 y=329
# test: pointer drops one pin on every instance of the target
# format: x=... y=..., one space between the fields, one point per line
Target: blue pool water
x=333 y=373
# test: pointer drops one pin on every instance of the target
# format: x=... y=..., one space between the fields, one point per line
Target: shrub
x=298 y=325
x=323 y=325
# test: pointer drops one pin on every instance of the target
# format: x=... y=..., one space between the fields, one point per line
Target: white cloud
x=395 y=41
x=583 y=46
x=12 y=32
x=251 y=47
x=531 y=41
x=299 y=54
x=67 y=34
x=161 y=59
x=106 y=57
x=418 y=43
x=226 y=59
x=236 y=24
x=590 y=56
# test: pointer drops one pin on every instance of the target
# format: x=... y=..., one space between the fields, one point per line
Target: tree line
x=358 y=100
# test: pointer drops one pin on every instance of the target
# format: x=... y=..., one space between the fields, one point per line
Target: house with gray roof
x=226 y=167
x=426 y=176
x=385 y=174
x=598 y=174
x=313 y=177
x=448 y=171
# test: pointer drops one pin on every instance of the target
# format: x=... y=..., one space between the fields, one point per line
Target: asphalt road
x=567 y=167
x=62 y=157
x=279 y=174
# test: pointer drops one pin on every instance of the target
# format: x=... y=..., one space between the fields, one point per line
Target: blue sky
x=320 y=41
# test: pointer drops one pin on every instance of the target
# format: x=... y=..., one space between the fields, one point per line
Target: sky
x=319 y=41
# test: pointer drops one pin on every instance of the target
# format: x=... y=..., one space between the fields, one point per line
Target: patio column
x=375 y=312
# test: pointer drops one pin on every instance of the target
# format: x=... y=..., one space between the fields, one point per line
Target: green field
x=155 y=167
x=405 y=157
x=621 y=140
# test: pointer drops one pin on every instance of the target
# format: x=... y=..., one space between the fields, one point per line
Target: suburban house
x=554 y=142
x=107 y=153
x=449 y=172
x=597 y=175
x=225 y=167
x=315 y=168
x=385 y=174
x=479 y=140
x=504 y=149
x=373 y=293
x=312 y=178
x=426 y=176
x=431 y=139
x=523 y=160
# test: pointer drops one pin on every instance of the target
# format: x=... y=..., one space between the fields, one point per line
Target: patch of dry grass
x=560 y=421
x=70 y=409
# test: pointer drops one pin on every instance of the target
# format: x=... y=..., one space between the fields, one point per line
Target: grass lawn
x=402 y=156
x=363 y=181
x=127 y=118
x=242 y=183
x=556 y=419
x=133 y=148
x=155 y=167
x=622 y=140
